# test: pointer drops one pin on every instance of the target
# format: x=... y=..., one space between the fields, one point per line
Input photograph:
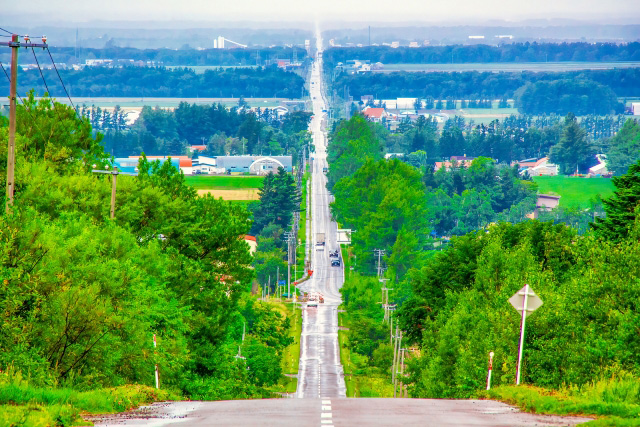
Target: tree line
x=140 y=82
x=224 y=131
x=83 y=296
x=508 y=52
x=581 y=92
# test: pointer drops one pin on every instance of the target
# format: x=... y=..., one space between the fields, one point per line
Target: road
x=321 y=388
x=320 y=373
x=336 y=412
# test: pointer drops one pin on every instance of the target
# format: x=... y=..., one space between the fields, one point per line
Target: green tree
x=622 y=208
x=574 y=151
x=624 y=148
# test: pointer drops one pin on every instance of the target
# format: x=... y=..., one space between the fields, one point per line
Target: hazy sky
x=449 y=11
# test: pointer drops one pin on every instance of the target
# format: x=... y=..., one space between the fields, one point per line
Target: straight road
x=321 y=387
x=320 y=373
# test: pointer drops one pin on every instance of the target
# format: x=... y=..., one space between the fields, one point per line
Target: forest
x=452 y=298
x=140 y=82
x=581 y=92
x=83 y=296
x=225 y=131
x=508 y=52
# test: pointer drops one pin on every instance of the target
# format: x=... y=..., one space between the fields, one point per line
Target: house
x=195 y=148
x=252 y=242
x=184 y=163
x=452 y=164
x=601 y=168
x=254 y=165
x=635 y=108
x=540 y=167
x=374 y=114
x=545 y=202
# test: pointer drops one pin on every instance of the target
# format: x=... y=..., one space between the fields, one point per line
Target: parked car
x=335 y=263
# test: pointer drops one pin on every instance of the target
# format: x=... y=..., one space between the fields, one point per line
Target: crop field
x=241 y=189
x=575 y=191
x=508 y=66
x=223 y=182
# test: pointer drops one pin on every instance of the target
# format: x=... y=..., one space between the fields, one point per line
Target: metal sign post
x=526 y=302
x=155 y=354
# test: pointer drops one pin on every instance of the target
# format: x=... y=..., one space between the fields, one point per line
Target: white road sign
x=533 y=301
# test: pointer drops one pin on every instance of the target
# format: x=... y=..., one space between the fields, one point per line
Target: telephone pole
x=14 y=44
x=114 y=175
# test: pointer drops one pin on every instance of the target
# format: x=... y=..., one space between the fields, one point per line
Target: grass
x=613 y=401
x=302 y=232
x=291 y=357
x=24 y=404
x=223 y=182
x=575 y=191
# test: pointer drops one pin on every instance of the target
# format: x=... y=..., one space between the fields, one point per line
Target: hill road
x=320 y=398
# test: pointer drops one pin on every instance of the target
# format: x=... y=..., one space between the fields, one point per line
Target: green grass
x=223 y=182
x=613 y=401
x=24 y=404
x=291 y=357
x=575 y=191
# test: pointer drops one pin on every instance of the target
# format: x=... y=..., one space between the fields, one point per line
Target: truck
x=320 y=241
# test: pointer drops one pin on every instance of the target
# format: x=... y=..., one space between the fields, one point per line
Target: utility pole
x=14 y=44
x=114 y=175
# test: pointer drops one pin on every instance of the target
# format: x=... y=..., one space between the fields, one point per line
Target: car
x=335 y=263
x=312 y=303
x=334 y=254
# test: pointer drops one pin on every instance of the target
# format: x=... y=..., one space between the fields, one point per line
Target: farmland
x=575 y=191
x=237 y=188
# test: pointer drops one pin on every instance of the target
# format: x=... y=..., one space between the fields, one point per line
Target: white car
x=312 y=303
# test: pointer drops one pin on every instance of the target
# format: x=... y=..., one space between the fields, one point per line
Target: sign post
x=526 y=302
x=154 y=351
x=490 y=369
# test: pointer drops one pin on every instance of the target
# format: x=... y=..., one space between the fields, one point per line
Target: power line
x=27 y=109
x=41 y=74
x=59 y=77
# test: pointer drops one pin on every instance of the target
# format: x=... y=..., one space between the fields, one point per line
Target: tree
x=622 y=208
x=573 y=151
x=624 y=148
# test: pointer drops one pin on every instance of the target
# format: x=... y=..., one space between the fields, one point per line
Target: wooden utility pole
x=114 y=176
x=14 y=44
x=11 y=153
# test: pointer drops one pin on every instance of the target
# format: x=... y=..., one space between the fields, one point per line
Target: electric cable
x=59 y=77
x=27 y=109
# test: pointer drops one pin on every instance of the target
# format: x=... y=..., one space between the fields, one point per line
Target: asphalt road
x=336 y=412
x=320 y=373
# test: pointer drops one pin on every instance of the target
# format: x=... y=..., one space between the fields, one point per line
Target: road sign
x=526 y=302
x=528 y=297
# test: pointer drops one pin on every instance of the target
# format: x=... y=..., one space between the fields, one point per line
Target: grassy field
x=223 y=182
x=200 y=69
x=510 y=66
x=575 y=191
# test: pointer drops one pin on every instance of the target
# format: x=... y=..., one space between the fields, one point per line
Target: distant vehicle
x=335 y=263
x=325 y=170
x=320 y=241
x=334 y=254
x=312 y=303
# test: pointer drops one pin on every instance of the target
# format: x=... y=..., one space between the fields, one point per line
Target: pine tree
x=622 y=208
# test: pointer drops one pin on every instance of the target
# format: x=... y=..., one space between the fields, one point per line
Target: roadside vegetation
x=452 y=293
x=82 y=296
